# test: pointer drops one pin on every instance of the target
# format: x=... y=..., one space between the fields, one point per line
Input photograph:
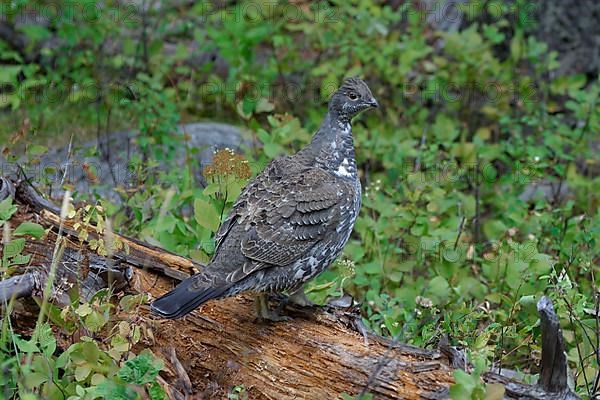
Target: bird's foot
x=273 y=316
x=265 y=314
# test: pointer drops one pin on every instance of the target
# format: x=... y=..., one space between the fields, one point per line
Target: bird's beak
x=374 y=103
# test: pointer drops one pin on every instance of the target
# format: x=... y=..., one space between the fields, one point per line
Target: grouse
x=290 y=223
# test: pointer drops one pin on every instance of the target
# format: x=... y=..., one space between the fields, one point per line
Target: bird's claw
x=272 y=316
x=265 y=314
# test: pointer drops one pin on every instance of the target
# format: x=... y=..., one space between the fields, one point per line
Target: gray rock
x=571 y=28
x=94 y=168
x=546 y=190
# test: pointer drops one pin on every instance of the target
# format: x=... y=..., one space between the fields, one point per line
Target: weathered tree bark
x=320 y=354
x=553 y=375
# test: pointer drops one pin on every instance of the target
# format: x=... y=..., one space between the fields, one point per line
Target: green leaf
x=37 y=150
x=463 y=387
x=47 y=340
x=515 y=46
x=7 y=209
x=541 y=264
x=115 y=390
x=95 y=321
x=141 y=370
x=438 y=288
x=129 y=302
x=82 y=372
x=512 y=274
x=35 y=379
x=234 y=188
x=494 y=229
x=528 y=300
x=80 y=391
x=156 y=392
x=272 y=149
x=20 y=259
x=14 y=247
x=206 y=215
x=90 y=352
x=8 y=73
x=211 y=189
x=83 y=310
x=29 y=228
x=119 y=344
x=35 y=33
x=27 y=346
x=445 y=129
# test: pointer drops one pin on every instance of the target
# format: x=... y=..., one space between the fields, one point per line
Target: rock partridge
x=288 y=224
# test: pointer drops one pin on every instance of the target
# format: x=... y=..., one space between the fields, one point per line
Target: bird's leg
x=264 y=313
x=299 y=298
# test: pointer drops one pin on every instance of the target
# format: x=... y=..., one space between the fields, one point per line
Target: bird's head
x=351 y=98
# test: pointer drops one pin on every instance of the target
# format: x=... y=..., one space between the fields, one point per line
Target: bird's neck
x=332 y=147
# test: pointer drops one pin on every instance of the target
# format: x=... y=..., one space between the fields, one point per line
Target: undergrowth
x=480 y=172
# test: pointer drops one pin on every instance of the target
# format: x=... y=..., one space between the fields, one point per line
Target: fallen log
x=322 y=353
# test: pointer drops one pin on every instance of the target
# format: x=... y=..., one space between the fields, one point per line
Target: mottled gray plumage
x=291 y=222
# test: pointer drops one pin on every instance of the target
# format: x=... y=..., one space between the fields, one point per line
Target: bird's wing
x=284 y=212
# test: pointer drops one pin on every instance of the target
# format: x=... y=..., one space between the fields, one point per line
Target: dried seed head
x=227 y=162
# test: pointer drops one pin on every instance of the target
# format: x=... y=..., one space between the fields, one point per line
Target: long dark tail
x=185 y=298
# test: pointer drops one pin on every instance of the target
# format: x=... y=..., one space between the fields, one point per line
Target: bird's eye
x=352 y=96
